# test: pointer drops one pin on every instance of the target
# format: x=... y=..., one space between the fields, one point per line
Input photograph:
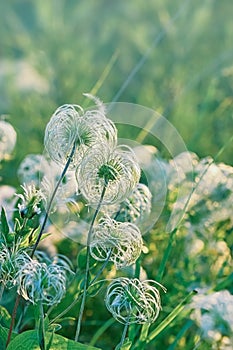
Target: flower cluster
x=107 y=177
x=30 y=201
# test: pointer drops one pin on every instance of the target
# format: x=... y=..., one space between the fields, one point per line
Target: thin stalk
x=101 y=330
x=52 y=198
x=13 y=319
x=123 y=337
x=166 y=256
x=1 y=291
x=41 y=330
x=88 y=263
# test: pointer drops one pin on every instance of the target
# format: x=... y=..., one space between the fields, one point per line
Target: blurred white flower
x=32 y=169
x=7 y=199
x=120 y=240
x=69 y=126
x=117 y=170
x=135 y=208
x=7 y=139
x=23 y=76
x=133 y=301
x=214 y=314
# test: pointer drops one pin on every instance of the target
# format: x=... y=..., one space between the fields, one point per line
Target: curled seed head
x=133 y=301
x=69 y=126
x=116 y=169
x=43 y=281
x=11 y=261
x=120 y=240
x=136 y=208
x=7 y=139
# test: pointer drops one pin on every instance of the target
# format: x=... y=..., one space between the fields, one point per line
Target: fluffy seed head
x=43 y=281
x=133 y=301
x=116 y=169
x=122 y=240
x=70 y=126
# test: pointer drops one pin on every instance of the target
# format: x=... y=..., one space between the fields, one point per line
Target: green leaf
x=5 y=318
x=4 y=224
x=29 y=340
x=82 y=259
x=3 y=337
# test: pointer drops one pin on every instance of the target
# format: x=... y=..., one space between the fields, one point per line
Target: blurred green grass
x=51 y=52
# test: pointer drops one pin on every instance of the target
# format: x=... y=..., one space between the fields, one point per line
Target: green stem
x=166 y=255
x=41 y=329
x=101 y=330
x=1 y=291
x=52 y=198
x=88 y=263
x=13 y=319
x=123 y=337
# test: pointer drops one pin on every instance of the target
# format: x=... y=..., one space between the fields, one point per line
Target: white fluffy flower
x=136 y=208
x=69 y=126
x=7 y=139
x=120 y=240
x=117 y=170
x=43 y=281
x=11 y=261
x=133 y=301
x=214 y=313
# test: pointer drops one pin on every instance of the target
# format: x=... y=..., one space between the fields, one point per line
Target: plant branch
x=88 y=263
x=52 y=198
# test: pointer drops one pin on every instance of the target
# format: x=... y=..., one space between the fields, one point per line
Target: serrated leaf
x=29 y=340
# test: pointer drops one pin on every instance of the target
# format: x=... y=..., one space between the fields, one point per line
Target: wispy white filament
x=69 y=125
x=117 y=167
x=133 y=301
x=136 y=208
x=120 y=240
x=43 y=281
